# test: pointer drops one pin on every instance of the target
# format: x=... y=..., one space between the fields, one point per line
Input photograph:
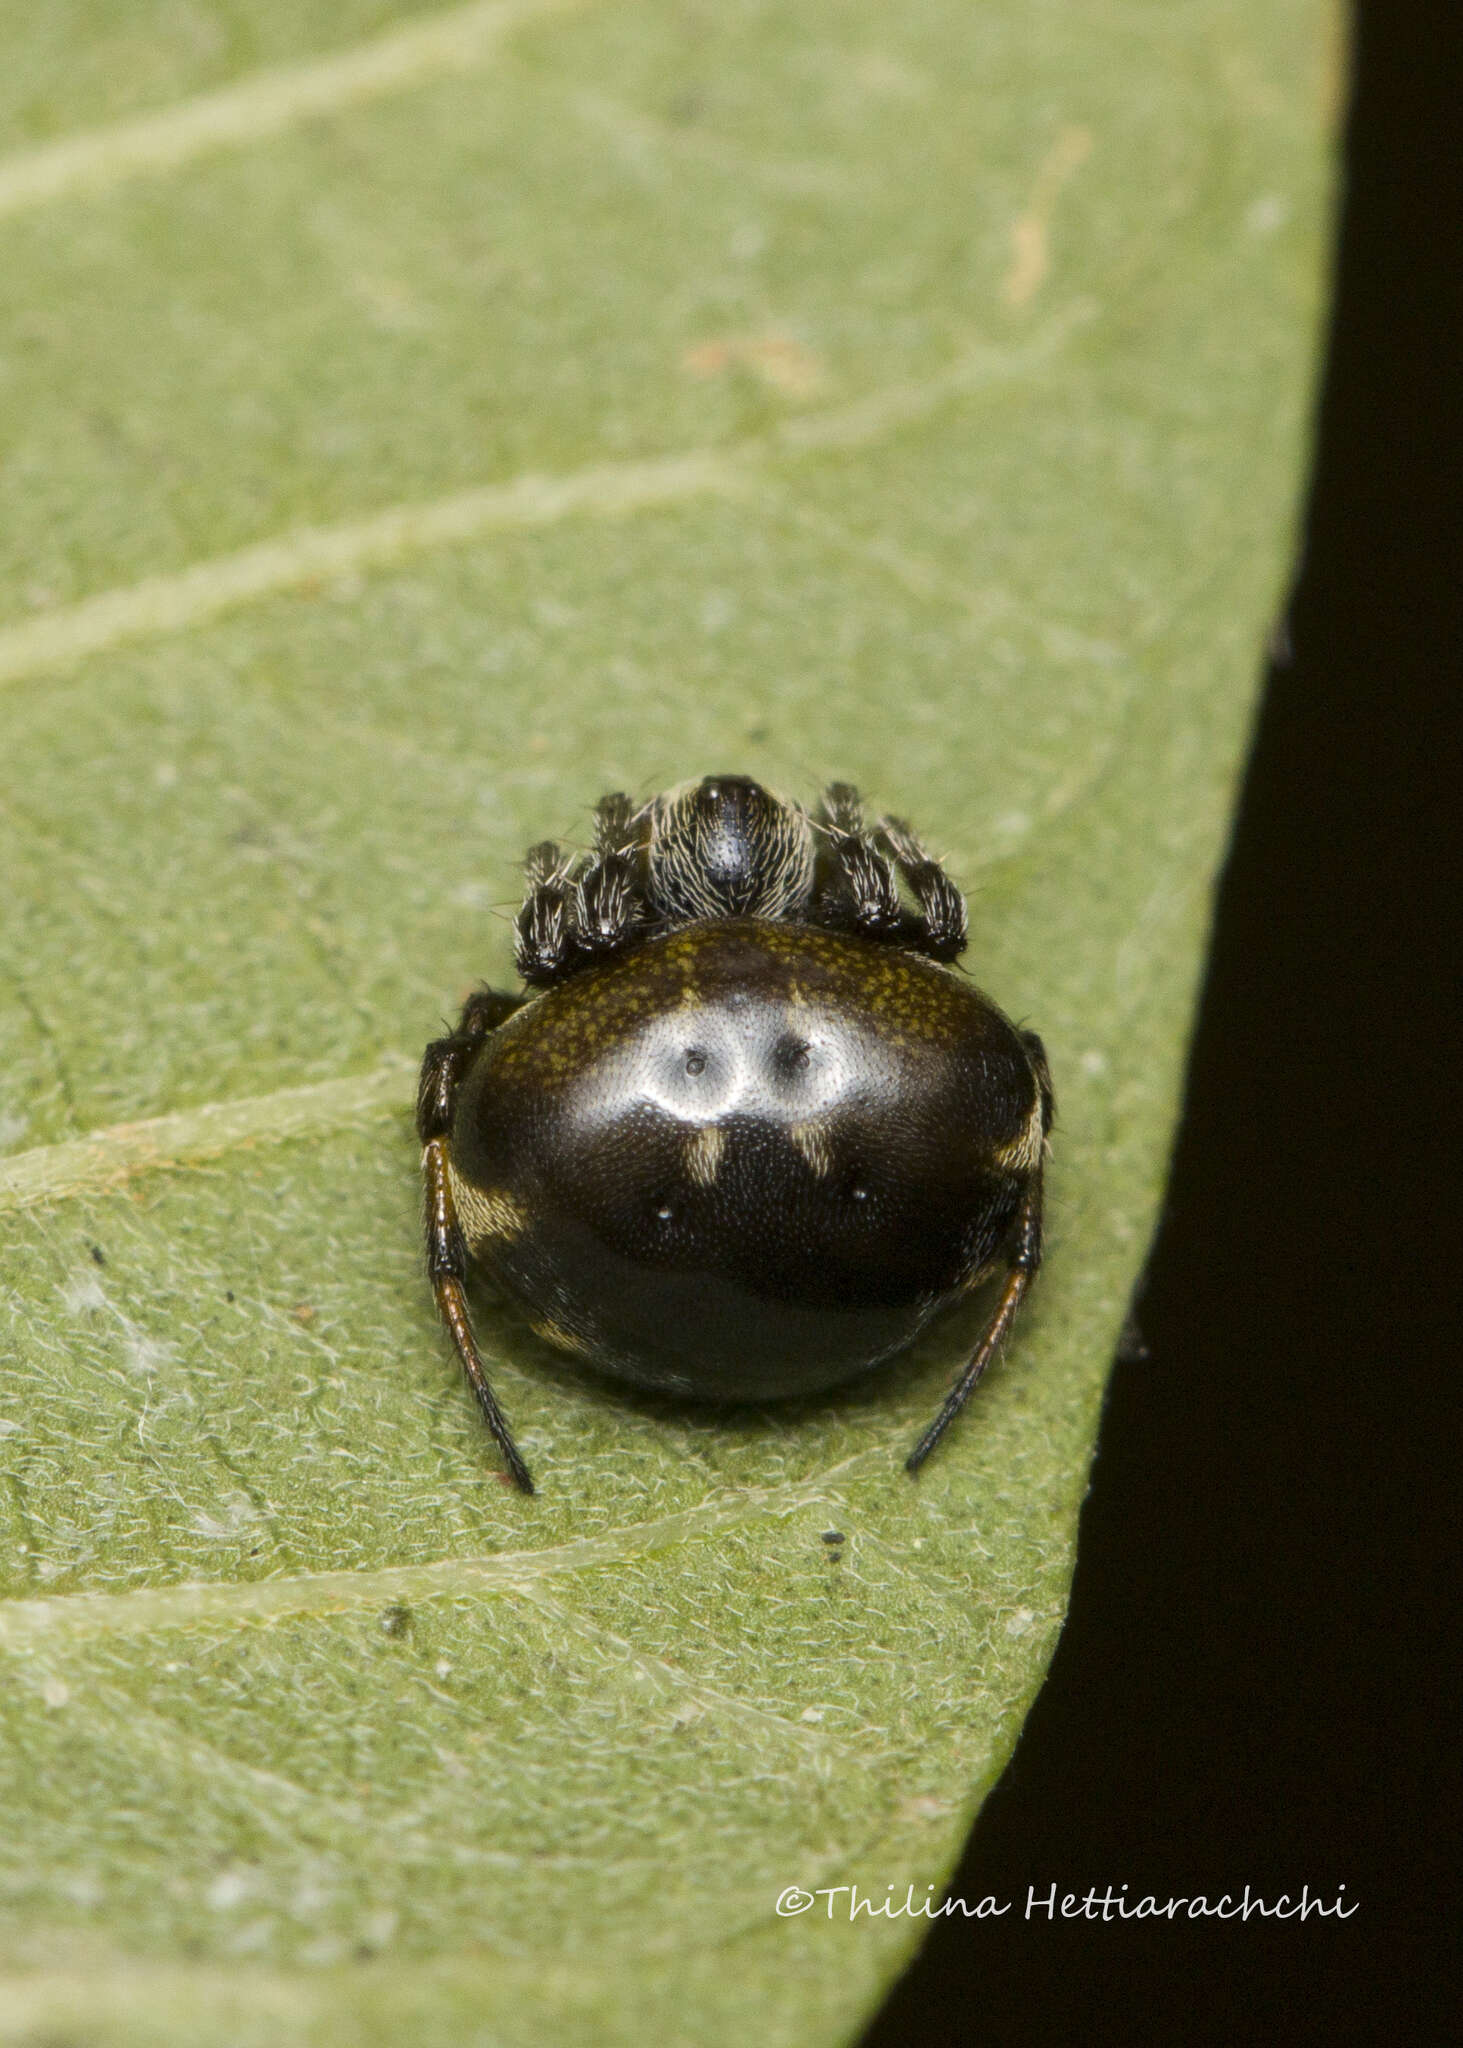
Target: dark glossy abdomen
x=749 y=1159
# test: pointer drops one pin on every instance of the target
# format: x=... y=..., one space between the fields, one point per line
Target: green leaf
x=416 y=423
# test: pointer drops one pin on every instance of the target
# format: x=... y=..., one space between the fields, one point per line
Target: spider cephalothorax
x=746 y=1132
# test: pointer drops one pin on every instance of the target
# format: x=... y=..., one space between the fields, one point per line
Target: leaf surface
x=415 y=423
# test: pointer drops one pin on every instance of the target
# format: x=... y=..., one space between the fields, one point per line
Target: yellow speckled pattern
x=902 y=996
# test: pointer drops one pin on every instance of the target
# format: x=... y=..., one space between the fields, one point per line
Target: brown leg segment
x=1024 y=1262
x=447 y=1268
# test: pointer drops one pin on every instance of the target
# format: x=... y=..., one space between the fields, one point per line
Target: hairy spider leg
x=609 y=907
x=547 y=936
x=860 y=888
x=939 y=928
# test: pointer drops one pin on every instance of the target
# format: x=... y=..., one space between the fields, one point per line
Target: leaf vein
x=312 y=555
x=263 y=104
x=28 y=1624
x=110 y=1157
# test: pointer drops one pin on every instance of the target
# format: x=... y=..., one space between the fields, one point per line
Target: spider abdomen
x=747 y=1159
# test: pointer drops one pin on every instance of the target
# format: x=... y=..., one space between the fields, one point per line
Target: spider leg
x=442 y=1069
x=939 y=925
x=548 y=946
x=609 y=908
x=1025 y=1259
x=444 y=1060
x=858 y=887
x=618 y=826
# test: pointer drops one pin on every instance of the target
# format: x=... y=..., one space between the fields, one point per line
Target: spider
x=745 y=1131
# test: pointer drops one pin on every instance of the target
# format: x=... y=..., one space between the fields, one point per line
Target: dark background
x=1258 y=1679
